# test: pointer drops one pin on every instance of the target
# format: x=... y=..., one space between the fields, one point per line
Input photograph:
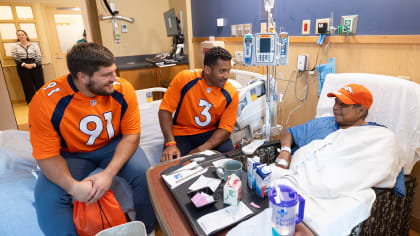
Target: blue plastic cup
x=284 y=202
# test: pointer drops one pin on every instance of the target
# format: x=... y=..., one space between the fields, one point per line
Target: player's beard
x=102 y=91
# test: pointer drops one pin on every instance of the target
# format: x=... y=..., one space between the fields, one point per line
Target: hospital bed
x=396 y=104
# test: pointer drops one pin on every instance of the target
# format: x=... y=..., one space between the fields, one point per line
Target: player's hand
x=169 y=152
x=101 y=183
x=80 y=190
x=197 y=149
x=286 y=156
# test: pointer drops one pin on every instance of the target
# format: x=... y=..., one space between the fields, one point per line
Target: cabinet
x=151 y=77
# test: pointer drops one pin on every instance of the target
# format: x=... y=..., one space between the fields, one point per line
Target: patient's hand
x=169 y=152
x=285 y=155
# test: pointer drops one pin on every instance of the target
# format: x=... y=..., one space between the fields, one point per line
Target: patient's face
x=345 y=114
x=218 y=74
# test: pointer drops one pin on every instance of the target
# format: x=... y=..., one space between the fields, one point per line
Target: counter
x=143 y=74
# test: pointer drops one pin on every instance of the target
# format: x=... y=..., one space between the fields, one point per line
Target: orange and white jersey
x=61 y=118
x=197 y=107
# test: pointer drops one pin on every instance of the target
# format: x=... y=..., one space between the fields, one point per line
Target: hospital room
x=198 y=117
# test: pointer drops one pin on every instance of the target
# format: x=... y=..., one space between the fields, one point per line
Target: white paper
x=223 y=217
x=203 y=182
x=183 y=174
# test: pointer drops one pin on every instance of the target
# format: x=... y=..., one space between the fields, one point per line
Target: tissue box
x=252 y=164
x=232 y=190
x=262 y=179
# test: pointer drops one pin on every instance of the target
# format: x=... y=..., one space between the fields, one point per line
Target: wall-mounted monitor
x=171 y=23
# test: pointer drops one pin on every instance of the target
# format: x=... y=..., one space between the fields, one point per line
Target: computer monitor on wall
x=171 y=22
x=173 y=29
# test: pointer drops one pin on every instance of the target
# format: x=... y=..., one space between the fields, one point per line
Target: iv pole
x=114 y=17
x=268 y=4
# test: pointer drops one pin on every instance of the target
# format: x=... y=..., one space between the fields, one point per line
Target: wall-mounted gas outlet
x=306 y=26
x=349 y=24
x=322 y=26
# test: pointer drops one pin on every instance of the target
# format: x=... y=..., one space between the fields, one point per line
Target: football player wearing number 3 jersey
x=81 y=121
x=198 y=111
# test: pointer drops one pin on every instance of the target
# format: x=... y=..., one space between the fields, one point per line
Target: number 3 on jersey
x=205 y=112
x=94 y=133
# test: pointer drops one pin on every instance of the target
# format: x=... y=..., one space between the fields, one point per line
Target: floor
x=21 y=113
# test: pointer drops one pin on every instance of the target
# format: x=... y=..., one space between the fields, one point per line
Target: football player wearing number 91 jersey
x=81 y=121
x=198 y=111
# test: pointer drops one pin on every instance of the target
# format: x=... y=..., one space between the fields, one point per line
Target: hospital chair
x=396 y=104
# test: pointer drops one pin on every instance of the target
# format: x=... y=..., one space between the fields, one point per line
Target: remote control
x=254 y=145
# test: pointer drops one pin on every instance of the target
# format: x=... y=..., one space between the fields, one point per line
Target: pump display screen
x=265 y=45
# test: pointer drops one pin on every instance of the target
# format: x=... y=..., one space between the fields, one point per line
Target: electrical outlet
x=306 y=26
x=349 y=24
x=324 y=23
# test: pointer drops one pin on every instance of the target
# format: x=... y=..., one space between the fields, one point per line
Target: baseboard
x=415 y=223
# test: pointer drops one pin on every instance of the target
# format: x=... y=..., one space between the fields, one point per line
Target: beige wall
x=147 y=35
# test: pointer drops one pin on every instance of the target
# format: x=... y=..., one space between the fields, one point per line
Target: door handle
x=59 y=57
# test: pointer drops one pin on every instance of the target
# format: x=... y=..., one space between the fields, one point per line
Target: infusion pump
x=266 y=49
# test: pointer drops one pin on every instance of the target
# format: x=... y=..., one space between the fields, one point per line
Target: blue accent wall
x=376 y=17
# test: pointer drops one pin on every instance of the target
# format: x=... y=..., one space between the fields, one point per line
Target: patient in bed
x=350 y=109
x=337 y=160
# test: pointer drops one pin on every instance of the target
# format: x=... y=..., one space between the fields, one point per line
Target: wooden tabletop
x=170 y=216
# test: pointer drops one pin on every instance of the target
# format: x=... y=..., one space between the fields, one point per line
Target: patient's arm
x=56 y=170
x=166 y=123
x=218 y=137
x=286 y=140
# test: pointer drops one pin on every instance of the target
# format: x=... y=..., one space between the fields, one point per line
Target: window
x=15 y=16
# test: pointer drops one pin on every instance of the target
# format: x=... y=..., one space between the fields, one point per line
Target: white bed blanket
x=335 y=176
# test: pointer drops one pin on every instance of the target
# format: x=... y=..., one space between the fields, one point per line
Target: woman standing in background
x=27 y=56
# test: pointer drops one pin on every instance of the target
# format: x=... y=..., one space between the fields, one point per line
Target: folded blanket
x=335 y=176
